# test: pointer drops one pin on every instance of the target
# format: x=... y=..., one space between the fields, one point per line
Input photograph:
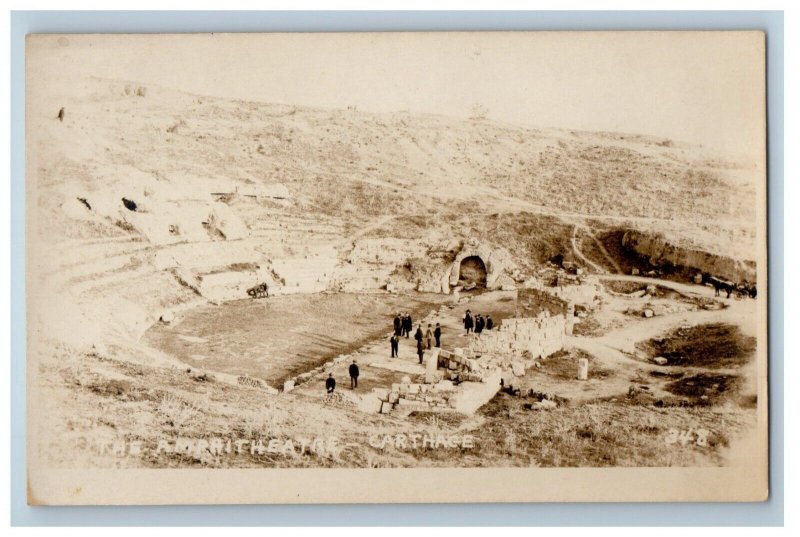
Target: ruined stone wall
x=540 y=336
x=582 y=293
x=466 y=378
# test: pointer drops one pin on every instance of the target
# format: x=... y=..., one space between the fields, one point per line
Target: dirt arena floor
x=279 y=337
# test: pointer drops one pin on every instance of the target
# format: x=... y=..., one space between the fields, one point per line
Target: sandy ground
x=259 y=338
x=279 y=337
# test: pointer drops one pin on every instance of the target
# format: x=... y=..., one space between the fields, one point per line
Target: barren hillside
x=385 y=164
x=147 y=203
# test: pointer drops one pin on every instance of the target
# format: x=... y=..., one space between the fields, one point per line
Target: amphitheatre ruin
x=200 y=266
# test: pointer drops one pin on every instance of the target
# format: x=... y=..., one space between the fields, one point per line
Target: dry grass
x=588 y=327
x=715 y=345
x=505 y=432
x=705 y=388
x=532 y=301
x=602 y=434
x=564 y=365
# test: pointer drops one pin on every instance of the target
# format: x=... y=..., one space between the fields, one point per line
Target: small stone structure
x=583 y=369
x=496 y=260
x=465 y=378
x=540 y=336
x=432 y=366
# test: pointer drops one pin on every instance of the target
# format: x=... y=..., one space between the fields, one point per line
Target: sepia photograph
x=396 y=267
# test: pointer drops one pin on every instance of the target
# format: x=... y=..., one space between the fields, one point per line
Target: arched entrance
x=472 y=271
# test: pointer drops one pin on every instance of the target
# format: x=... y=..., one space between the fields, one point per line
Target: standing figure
x=469 y=324
x=353 y=370
x=330 y=383
x=437 y=333
x=418 y=335
x=479 y=324
x=395 y=343
x=410 y=323
x=398 y=325
x=489 y=322
x=429 y=337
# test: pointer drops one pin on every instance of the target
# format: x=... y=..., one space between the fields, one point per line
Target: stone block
x=546 y=404
x=386 y=407
x=370 y=404
x=583 y=369
x=444 y=385
x=288 y=386
x=660 y=360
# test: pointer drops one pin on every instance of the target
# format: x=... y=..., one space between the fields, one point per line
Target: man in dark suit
x=407 y=325
x=353 y=370
x=418 y=336
x=330 y=383
x=437 y=335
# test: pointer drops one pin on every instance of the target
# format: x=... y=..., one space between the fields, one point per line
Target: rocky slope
x=150 y=200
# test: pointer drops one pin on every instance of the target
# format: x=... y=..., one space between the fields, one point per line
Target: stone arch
x=473 y=250
x=495 y=261
x=472 y=269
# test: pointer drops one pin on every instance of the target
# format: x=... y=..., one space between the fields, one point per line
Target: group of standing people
x=478 y=323
x=425 y=340
x=432 y=336
x=403 y=324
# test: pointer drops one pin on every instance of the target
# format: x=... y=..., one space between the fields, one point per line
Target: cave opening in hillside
x=472 y=272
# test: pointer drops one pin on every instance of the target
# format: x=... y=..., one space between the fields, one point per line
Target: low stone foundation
x=465 y=378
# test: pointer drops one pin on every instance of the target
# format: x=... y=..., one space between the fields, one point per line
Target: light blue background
x=768 y=513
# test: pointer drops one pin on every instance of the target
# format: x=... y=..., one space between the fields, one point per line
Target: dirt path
x=615 y=351
x=603 y=251
x=373 y=225
x=685 y=288
x=579 y=254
